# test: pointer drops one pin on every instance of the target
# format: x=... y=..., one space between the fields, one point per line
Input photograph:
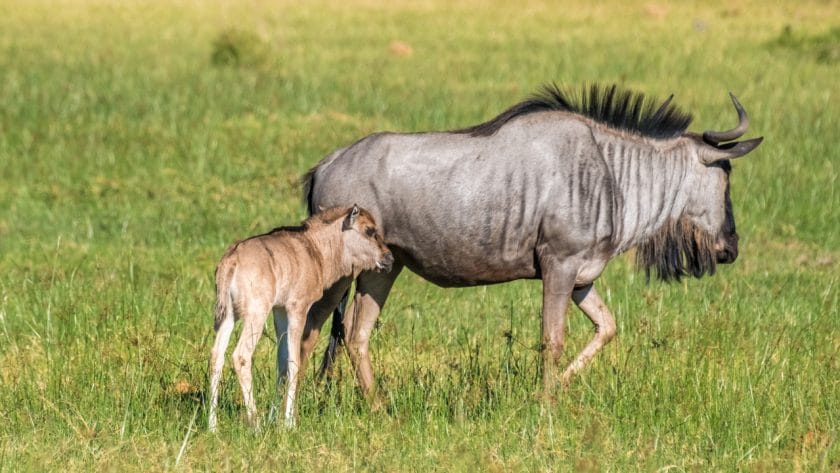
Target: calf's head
x=363 y=244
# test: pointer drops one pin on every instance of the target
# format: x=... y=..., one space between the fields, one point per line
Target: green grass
x=131 y=155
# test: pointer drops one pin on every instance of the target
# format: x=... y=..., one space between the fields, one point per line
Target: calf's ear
x=351 y=218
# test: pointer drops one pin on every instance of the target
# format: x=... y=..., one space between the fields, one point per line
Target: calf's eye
x=369 y=231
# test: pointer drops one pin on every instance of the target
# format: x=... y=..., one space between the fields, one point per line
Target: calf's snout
x=387 y=262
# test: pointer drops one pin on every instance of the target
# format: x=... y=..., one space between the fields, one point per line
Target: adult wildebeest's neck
x=648 y=176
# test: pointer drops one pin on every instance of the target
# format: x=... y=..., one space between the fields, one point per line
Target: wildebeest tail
x=336 y=336
x=223 y=309
x=308 y=183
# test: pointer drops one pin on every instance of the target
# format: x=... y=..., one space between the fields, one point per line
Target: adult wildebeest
x=286 y=270
x=551 y=189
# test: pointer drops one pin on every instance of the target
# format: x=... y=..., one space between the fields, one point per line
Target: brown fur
x=287 y=269
x=308 y=237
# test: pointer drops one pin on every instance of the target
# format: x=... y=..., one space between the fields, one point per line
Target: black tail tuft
x=308 y=183
x=336 y=336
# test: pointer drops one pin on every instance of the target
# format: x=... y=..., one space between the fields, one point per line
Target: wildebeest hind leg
x=591 y=304
x=371 y=292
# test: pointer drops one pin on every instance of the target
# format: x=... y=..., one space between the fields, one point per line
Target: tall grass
x=131 y=155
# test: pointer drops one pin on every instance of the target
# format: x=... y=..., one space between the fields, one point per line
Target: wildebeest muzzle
x=727 y=252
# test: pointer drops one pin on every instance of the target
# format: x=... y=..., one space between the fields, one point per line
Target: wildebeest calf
x=286 y=270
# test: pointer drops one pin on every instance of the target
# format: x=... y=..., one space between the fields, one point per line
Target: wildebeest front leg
x=558 y=284
x=371 y=292
x=591 y=304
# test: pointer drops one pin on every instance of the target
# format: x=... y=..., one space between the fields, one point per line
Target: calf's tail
x=223 y=309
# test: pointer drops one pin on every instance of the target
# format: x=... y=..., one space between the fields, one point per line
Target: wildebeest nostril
x=727 y=256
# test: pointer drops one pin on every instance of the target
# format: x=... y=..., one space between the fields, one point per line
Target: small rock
x=400 y=48
x=657 y=11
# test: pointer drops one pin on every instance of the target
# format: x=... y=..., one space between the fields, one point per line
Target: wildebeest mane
x=679 y=249
x=615 y=107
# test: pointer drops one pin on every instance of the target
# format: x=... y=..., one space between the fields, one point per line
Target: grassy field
x=137 y=139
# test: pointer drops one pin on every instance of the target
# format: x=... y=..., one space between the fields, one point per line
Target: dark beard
x=679 y=249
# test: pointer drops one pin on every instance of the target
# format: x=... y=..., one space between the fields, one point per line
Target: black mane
x=618 y=108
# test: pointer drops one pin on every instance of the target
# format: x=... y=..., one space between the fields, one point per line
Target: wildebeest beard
x=679 y=249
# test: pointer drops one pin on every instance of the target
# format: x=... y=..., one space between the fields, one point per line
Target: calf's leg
x=217 y=362
x=316 y=317
x=281 y=327
x=253 y=322
x=297 y=319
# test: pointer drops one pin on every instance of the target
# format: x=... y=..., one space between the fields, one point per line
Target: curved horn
x=715 y=137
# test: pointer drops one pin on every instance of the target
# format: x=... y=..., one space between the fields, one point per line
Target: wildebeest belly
x=461 y=269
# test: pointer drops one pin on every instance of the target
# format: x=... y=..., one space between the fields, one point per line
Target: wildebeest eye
x=369 y=231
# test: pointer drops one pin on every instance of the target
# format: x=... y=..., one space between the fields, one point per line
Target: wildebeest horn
x=715 y=137
x=729 y=150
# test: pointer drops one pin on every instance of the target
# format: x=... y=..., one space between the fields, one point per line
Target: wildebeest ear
x=351 y=218
x=726 y=151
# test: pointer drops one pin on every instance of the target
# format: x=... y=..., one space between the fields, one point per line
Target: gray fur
x=552 y=195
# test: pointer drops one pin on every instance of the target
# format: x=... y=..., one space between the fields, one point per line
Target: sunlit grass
x=130 y=159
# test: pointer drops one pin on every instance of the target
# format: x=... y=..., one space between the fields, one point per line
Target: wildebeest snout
x=727 y=249
x=386 y=263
